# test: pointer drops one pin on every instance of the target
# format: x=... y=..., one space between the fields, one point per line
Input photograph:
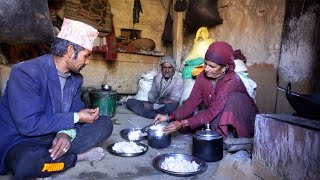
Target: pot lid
x=207 y=133
x=102 y=91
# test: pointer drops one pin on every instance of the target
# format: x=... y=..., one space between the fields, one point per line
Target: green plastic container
x=105 y=100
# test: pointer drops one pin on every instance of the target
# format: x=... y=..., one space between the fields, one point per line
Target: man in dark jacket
x=44 y=127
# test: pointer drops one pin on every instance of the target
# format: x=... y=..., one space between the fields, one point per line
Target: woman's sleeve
x=195 y=98
x=217 y=104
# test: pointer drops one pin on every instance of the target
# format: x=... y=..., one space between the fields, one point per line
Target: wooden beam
x=177 y=36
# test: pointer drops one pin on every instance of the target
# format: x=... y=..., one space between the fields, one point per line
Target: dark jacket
x=31 y=104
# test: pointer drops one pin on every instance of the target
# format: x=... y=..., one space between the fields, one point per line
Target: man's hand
x=88 y=115
x=60 y=146
x=148 y=105
x=172 y=127
x=160 y=118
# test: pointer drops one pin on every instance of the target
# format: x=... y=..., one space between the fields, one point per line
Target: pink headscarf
x=221 y=53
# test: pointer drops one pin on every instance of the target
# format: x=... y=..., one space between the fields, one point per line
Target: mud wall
x=273 y=58
x=299 y=59
x=123 y=73
x=255 y=27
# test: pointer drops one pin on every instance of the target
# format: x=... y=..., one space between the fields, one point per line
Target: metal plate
x=111 y=151
x=125 y=132
x=157 y=161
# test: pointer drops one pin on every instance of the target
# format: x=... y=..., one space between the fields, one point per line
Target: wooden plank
x=177 y=36
x=137 y=58
x=128 y=57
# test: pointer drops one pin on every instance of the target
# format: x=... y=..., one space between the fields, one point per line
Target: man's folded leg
x=89 y=135
x=31 y=159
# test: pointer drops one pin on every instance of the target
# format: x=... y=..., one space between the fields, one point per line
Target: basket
x=143 y=44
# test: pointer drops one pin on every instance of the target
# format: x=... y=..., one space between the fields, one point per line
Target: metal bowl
x=113 y=152
x=106 y=87
x=157 y=161
x=125 y=132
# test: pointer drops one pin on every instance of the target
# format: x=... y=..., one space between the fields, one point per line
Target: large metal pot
x=157 y=138
x=207 y=145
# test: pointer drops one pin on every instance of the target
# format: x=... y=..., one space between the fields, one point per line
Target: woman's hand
x=160 y=118
x=172 y=127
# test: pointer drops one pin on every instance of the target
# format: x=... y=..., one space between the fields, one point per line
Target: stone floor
x=140 y=168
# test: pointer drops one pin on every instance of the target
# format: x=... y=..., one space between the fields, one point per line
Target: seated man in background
x=44 y=127
x=165 y=93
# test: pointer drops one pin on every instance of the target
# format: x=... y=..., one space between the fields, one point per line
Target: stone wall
x=286 y=147
x=299 y=59
x=123 y=74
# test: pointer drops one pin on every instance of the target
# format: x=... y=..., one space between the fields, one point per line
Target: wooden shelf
x=143 y=52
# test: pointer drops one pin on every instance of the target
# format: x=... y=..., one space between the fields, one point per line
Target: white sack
x=187 y=88
x=144 y=85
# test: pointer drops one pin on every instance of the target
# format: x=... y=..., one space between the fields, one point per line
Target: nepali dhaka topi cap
x=78 y=33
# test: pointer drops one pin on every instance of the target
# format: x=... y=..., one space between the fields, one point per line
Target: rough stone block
x=286 y=147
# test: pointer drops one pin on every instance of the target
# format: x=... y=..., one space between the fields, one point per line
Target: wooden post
x=177 y=35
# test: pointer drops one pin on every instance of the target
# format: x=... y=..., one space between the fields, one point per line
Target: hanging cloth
x=137 y=8
x=180 y=5
x=167 y=32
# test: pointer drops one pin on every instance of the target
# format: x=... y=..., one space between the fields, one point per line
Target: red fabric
x=221 y=53
x=237 y=54
x=111 y=53
x=110 y=48
x=238 y=114
x=221 y=108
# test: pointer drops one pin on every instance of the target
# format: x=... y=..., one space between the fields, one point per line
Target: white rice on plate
x=127 y=147
x=179 y=165
x=135 y=135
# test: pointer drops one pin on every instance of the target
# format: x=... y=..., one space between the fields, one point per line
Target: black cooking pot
x=207 y=145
